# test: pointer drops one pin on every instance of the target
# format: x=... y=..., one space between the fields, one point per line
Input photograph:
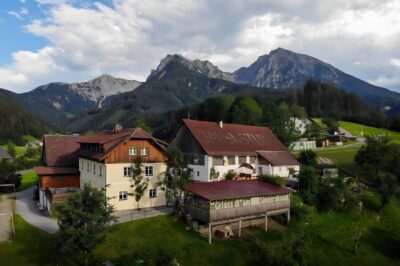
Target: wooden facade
x=214 y=211
x=59 y=181
x=120 y=154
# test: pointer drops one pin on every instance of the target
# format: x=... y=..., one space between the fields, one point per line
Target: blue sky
x=12 y=29
x=75 y=40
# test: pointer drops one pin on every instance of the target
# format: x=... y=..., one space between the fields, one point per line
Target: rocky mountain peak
x=203 y=67
x=100 y=88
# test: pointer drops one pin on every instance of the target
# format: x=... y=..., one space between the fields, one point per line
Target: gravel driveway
x=25 y=206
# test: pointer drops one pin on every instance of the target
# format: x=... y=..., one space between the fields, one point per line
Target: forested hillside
x=15 y=122
x=273 y=109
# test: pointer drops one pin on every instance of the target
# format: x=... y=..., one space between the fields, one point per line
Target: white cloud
x=395 y=62
x=129 y=37
x=23 y=1
x=14 y=14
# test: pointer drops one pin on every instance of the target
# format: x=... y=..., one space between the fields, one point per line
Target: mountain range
x=178 y=82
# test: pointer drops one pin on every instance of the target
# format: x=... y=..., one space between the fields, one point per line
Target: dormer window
x=132 y=151
x=144 y=151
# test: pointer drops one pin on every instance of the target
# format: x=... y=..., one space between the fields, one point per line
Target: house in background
x=106 y=161
x=248 y=151
x=59 y=173
x=4 y=155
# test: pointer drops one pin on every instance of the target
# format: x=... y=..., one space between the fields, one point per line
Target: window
x=127 y=171
x=149 y=170
x=198 y=173
x=100 y=170
x=253 y=159
x=242 y=159
x=123 y=195
x=94 y=168
x=144 y=151
x=132 y=151
x=81 y=165
x=217 y=160
x=153 y=193
x=231 y=160
x=88 y=168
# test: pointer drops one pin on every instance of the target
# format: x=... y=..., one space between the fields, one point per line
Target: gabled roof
x=58 y=150
x=4 y=154
x=233 y=139
x=113 y=140
x=230 y=189
x=278 y=157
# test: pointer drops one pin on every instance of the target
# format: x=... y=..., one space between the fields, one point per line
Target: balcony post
x=209 y=233
x=240 y=227
x=266 y=221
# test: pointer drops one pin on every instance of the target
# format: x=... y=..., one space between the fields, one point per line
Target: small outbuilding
x=236 y=203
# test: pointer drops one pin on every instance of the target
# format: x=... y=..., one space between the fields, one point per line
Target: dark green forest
x=15 y=122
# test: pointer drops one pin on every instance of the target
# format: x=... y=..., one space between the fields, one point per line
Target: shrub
x=275 y=180
x=371 y=201
x=230 y=175
x=307 y=157
x=309 y=182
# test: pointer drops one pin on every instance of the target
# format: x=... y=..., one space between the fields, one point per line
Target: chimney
x=221 y=124
x=118 y=128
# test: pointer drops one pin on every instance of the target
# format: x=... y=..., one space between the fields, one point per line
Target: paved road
x=25 y=207
x=5 y=218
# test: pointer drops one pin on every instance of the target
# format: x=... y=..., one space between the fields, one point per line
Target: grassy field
x=30 y=246
x=28 y=179
x=362 y=130
x=342 y=157
x=327 y=240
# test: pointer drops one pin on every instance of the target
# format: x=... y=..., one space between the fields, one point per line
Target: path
x=26 y=207
x=5 y=218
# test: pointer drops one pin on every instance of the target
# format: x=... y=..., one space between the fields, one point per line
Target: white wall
x=87 y=176
x=116 y=182
x=201 y=173
x=281 y=170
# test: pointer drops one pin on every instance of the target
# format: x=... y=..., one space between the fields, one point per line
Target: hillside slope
x=15 y=121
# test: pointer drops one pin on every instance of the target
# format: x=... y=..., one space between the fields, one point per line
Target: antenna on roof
x=188 y=115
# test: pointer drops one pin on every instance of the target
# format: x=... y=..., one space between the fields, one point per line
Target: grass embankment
x=360 y=130
x=343 y=157
x=30 y=246
x=28 y=179
x=328 y=240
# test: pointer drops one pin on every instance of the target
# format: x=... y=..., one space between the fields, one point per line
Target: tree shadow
x=385 y=242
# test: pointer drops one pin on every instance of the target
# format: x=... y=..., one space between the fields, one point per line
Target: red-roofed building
x=59 y=169
x=246 y=150
x=106 y=161
x=236 y=204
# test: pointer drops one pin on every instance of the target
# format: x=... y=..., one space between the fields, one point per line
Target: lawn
x=155 y=241
x=30 y=246
x=28 y=179
x=362 y=130
x=342 y=157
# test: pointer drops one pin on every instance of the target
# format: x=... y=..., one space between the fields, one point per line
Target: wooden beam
x=209 y=233
x=240 y=227
x=266 y=222
x=288 y=216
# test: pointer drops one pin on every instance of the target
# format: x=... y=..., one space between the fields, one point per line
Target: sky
x=45 y=41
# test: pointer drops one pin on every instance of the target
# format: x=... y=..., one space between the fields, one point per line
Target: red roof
x=233 y=139
x=113 y=140
x=229 y=189
x=43 y=170
x=106 y=137
x=58 y=150
x=278 y=157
